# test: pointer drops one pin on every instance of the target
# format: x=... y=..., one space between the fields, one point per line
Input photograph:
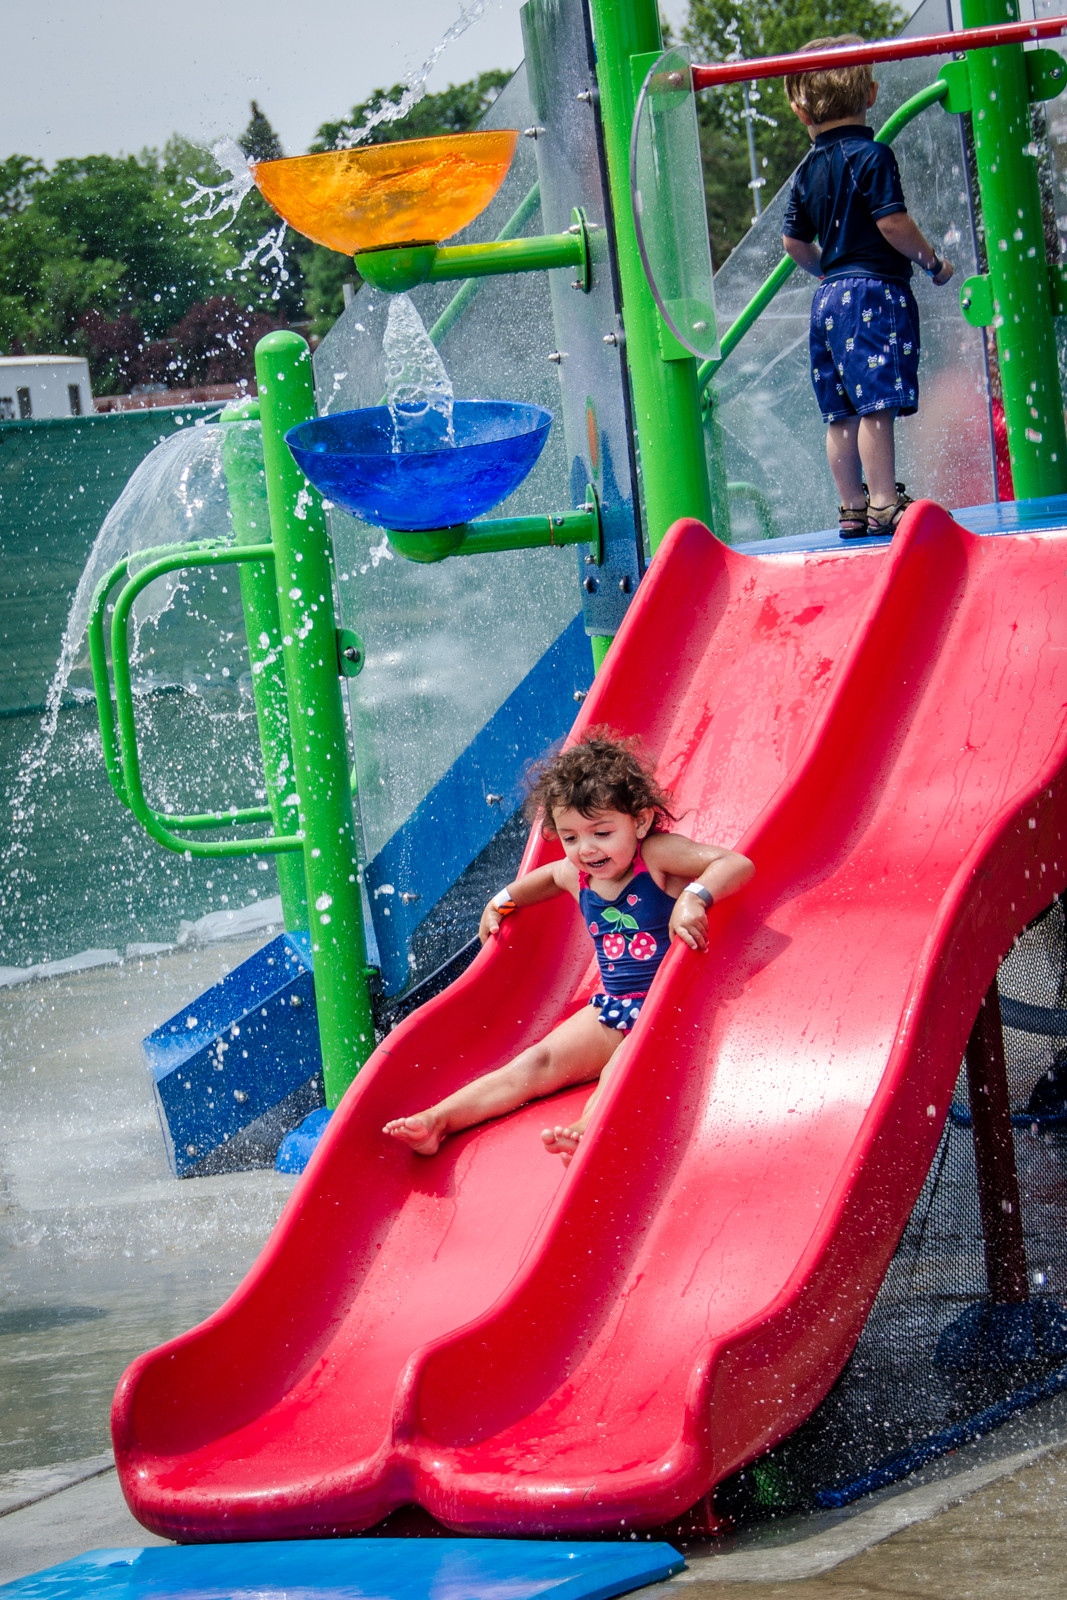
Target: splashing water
x=418 y=389
x=177 y=495
x=393 y=110
x=222 y=197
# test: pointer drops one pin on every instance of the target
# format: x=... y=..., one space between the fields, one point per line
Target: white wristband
x=701 y=893
x=503 y=903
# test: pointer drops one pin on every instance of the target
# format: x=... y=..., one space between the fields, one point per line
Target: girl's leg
x=877 y=451
x=575 y=1052
x=842 y=452
x=564 y=1141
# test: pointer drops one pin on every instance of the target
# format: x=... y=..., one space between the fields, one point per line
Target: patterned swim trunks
x=864 y=344
x=619 y=1011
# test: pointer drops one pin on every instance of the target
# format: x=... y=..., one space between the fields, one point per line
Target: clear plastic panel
x=670 y=213
x=773 y=437
x=446 y=644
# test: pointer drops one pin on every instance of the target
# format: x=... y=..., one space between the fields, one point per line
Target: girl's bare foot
x=562 y=1142
x=422 y=1133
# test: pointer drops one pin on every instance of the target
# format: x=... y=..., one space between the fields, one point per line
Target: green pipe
x=243 y=465
x=499 y=533
x=396 y=271
x=316 y=717
x=767 y=290
x=666 y=398
x=462 y=299
x=159 y=826
x=1015 y=247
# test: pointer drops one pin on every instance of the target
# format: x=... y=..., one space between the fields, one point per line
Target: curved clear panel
x=667 y=189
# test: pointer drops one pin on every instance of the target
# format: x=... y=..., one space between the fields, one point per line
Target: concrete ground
x=103 y=1253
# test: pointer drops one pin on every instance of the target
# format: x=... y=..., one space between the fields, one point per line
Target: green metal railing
x=932 y=95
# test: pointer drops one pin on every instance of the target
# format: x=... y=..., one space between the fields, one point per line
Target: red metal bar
x=934 y=44
x=994 y=1156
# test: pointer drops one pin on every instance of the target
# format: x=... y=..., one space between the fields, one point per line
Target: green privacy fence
x=58 y=480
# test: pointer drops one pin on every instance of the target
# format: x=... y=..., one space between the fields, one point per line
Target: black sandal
x=886 y=519
x=852 y=522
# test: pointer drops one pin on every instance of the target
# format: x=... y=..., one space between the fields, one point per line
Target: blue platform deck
x=1010 y=516
x=356 y=1569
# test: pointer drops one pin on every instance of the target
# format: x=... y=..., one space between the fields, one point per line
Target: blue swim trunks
x=864 y=344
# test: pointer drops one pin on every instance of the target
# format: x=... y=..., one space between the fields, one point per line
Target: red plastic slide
x=522 y=1349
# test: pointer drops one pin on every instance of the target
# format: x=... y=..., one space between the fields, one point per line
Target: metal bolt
x=585 y=96
x=590 y=561
x=557 y=522
x=190 y=1149
x=580 y=694
x=295 y=1000
x=557 y=356
x=408 y=897
x=493 y=799
x=575 y=227
x=676 y=79
x=589 y=585
x=576 y=283
x=624 y=585
x=611 y=338
x=240 y=1096
x=351 y=654
x=700 y=327
x=533 y=133
x=1055 y=74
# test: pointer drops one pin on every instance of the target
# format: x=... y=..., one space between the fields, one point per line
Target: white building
x=44 y=386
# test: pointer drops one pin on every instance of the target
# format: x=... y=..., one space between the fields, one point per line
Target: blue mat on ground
x=356 y=1569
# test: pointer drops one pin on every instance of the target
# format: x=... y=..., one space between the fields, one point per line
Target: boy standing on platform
x=864 y=337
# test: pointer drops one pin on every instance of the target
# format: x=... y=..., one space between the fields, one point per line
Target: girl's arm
x=543 y=883
x=682 y=861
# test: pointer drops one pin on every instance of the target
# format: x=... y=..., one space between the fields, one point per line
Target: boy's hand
x=689 y=922
x=947 y=269
x=489 y=926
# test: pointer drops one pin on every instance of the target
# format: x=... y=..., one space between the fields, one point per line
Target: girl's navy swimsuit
x=631 y=935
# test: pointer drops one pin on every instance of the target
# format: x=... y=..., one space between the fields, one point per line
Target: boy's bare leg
x=877 y=451
x=574 y=1052
x=842 y=452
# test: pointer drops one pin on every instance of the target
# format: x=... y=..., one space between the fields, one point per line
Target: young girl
x=638 y=888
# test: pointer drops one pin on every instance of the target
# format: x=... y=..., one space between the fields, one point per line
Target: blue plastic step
x=240 y=1049
x=351 y=1569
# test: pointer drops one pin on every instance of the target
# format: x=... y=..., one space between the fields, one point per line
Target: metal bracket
x=351 y=656
x=958 y=99
x=976 y=301
x=1046 y=73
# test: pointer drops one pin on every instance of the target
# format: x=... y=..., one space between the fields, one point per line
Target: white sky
x=90 y=77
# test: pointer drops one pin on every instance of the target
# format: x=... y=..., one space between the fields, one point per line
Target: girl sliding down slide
x=638 y=887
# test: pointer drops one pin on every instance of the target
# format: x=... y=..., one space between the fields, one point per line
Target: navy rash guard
x=843 y=185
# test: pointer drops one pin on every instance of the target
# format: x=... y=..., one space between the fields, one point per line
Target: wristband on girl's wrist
x=933 y=271
x=701 y=893
x=504 y=903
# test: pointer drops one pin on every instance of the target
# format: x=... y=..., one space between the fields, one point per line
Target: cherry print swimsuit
x=631 y=935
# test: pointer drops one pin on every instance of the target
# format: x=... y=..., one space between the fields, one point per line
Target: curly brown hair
x=602 y=772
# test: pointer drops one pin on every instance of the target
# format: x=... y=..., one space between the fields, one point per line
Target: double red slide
x=526 y=1350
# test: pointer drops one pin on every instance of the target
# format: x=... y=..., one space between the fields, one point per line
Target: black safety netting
x=921 y=1382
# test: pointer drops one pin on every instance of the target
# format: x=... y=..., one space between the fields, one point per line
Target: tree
x=719 y=30
x=259 y=140
x=216 y=340
x=457 y=109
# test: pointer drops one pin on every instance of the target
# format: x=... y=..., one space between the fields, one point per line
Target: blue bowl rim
x=291 y=439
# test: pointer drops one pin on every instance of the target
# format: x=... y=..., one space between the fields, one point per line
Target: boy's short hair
x=603 y=772
x=831 y=92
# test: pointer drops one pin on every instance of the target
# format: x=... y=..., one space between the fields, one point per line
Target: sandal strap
x=852 y=521
x=884 y=519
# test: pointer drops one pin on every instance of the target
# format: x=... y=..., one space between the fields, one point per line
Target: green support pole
x=316 y=718
x=251 y=525
x=1015 y=247
x=666 y=397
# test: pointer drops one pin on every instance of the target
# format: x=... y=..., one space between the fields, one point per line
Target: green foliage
x=457 y=109
x=721 y=29
x=259 y=140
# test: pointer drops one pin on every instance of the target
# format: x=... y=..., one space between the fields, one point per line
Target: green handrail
x=124 y=761
x=933 y=94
